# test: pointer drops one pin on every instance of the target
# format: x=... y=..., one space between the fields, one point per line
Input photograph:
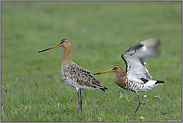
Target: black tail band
x=160 y=82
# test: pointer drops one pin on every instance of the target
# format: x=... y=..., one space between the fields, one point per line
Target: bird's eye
x=61 y=42
x=114 y=68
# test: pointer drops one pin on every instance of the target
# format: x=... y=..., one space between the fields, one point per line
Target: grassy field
x=32 y=88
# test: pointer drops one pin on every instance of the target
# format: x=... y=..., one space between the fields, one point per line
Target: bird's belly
x=132 y=86
x=66 y=77
x=135 y=87
x=70 y=82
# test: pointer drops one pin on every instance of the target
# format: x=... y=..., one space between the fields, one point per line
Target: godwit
x=136 y=77
x=75 y=75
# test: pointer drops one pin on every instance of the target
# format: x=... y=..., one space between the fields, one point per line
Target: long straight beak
x=104 y=72
x=49 y=48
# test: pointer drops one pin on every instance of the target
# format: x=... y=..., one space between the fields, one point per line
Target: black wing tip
x=104 y=89
x=159 y=82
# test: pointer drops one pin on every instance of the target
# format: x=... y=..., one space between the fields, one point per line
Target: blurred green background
x=32 y=88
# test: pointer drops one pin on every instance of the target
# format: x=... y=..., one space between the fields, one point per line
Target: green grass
x=32 y=88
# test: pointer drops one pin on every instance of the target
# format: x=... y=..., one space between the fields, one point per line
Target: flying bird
x=136 y=76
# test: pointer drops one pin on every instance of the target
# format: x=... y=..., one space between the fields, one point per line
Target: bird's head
x=64 y=43
x=116 y=69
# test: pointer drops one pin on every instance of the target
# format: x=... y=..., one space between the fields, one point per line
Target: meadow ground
x=32 y=88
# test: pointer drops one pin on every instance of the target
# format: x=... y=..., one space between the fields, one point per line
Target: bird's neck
x=66 y=55
x=120 y=74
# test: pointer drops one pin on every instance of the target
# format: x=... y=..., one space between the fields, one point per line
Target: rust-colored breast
x=122 y=81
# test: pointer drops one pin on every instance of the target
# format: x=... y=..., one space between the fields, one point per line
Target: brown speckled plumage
x=75 y=75
x=83 y=78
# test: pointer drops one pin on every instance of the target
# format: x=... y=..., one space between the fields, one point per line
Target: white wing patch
x=134 y=59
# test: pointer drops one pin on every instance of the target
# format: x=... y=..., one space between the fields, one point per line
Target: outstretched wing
x=134 y=59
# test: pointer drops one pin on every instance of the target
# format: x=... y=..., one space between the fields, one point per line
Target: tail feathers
x=154 y=82
x=103 y=89
x=159 y=82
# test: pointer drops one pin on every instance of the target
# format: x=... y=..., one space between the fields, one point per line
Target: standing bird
x=136 y=77
x=75 y=75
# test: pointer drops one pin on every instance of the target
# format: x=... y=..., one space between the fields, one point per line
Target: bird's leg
x=139 y=102
x=80 y=99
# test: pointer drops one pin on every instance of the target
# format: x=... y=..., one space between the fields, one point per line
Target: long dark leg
x=80 y=100
x=139 y=102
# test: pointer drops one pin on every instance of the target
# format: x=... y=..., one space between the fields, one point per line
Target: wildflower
x=141 y=118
